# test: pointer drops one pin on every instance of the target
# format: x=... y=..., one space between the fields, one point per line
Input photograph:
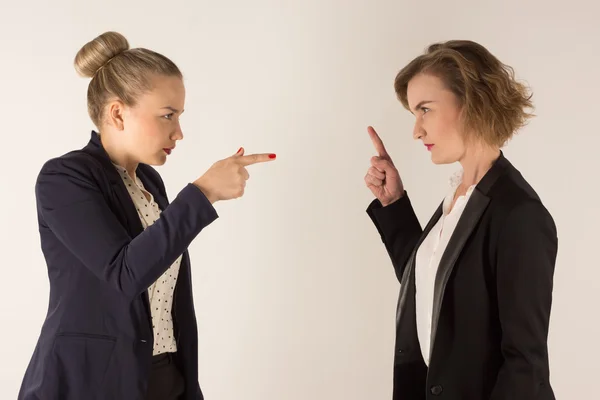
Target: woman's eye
x=424 y=109
x=168 y=116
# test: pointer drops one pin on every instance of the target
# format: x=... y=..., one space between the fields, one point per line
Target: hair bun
x=96 y=53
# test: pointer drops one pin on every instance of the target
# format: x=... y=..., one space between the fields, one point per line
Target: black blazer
x=97 y=340
x=492 y=295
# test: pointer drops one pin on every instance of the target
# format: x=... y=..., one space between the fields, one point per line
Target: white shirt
x=428 y=259
x=161 y=291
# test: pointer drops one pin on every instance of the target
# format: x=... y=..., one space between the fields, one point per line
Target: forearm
x=74 y=208
x=399 y=229
x=153 y=251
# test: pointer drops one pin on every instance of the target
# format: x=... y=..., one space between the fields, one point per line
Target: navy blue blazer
x=96 y=341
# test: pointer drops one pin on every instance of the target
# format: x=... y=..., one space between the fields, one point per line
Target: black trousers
x=166 y=381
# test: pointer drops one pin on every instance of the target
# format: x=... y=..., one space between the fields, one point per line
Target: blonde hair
x=118 y=72
x=494 y=105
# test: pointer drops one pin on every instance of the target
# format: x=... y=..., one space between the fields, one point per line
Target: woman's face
x=151 y=128
x=437 y=115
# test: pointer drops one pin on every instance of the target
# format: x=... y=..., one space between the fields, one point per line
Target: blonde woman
x=476 y=282
x=121 y=321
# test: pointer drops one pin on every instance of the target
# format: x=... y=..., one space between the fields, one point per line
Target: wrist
x=386 y=203
x=392 y=200
x=201 y=185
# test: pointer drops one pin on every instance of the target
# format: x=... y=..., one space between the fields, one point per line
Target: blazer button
x=437 y=390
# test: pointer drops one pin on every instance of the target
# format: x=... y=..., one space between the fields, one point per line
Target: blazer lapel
x=132 y=219
x=151 y=186
x=471 y=215
x=407 y=276
x=434 y=219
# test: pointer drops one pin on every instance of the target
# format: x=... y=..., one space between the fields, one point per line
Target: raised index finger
x=256 y=158
x=379 y=147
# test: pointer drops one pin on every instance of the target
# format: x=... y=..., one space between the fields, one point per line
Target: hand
x=382 y=177
x=226 y=179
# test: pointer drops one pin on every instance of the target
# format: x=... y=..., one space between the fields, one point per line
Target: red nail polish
x=240 y=149
x=272 y=156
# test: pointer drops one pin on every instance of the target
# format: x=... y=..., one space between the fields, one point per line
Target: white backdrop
x=294 y=292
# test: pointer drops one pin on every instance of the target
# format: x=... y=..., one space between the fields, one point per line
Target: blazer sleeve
x=399 y=229
x=526 y=255
x=72 y=205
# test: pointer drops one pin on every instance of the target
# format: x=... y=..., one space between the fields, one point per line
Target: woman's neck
x=117 y=154
x=476 y=162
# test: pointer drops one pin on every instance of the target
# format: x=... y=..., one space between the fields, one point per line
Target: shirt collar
x=454 y=182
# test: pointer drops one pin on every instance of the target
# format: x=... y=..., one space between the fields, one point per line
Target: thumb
x=239 y=153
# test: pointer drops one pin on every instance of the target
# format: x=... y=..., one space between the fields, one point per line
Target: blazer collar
x=95 y=148
x=483 y=189
x=498 y=168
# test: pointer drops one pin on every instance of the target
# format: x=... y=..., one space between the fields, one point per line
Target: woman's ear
x=115 y=114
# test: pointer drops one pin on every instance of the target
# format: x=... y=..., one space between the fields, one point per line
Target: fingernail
x=272 y=156
x=240 y=149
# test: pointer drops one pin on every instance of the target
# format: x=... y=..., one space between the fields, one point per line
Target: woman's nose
x=418 y=130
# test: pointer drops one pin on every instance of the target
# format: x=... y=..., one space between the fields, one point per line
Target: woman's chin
x=156 y=160
x=437 y=160
x=442 y=159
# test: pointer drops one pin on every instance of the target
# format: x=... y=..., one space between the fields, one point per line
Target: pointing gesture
x=253 y=158
x=382 y=177
x=379 y=147
x=226 y=179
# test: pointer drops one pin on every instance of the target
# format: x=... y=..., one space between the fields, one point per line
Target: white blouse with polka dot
x=161 y=291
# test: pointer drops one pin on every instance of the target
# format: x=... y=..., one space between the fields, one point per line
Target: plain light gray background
x=294 y=292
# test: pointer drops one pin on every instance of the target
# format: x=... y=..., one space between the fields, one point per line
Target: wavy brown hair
x=494 y=104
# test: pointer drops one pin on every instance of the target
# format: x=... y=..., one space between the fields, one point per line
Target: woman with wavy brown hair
x=475 y=283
